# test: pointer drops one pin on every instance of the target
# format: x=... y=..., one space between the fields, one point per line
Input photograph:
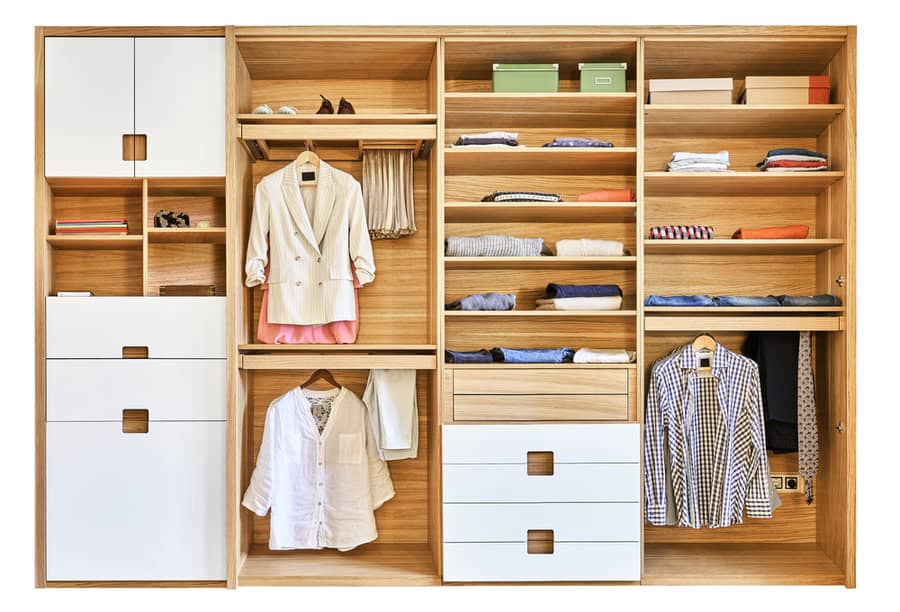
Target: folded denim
x=480 y=356
x=493 y=246
x=746 y=300
x=679 y=300
x=484 y=301
x=823 y=299
x=522 y=196
x=587 y=355
x=587 y=247
x=555 y=290
x=550 y=355
x=611 y=302
x=578 y=142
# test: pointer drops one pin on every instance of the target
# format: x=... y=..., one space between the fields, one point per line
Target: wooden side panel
x=42 y=274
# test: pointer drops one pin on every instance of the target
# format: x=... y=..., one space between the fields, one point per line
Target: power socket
x=788 y=483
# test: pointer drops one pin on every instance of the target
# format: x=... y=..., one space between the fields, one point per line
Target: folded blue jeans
x=551 y=355
x=484 y=301
x=482 y=356
x=570 y=291
x=679 y=300
x=823 y=299
x=746 y=300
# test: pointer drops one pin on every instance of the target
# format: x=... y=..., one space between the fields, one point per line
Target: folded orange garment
x=608 y=195
x=785 y=231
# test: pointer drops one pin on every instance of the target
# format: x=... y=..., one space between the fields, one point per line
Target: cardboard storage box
x=608 y=77
x=786 y=90
x=528 y=78
x=691 y=91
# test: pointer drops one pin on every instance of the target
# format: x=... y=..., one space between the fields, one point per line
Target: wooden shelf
x=806 y=246
x=369 y=565
x=738 y=183
x=193 y=235
x=539 y=313
x=539 y=263
x=466 y=110
x=531 y=366
x=750 y=563
x=337 y=360
x=738 y=120
x=660 y=323
x=328 y=348
x=98 y=242
x=335 y=119
x=540 y=160
x=728 y=310
x=539 y=212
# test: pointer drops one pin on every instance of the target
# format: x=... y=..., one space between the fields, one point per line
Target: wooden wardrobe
x=524 y=473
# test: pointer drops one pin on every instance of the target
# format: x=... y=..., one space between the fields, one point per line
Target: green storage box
x=609 y=77
x=526 y=78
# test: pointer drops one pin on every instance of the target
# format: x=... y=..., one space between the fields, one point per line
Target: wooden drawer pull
x=135 y=421
x=540 y=541
x=134 y=147
x=540 y=463
x=135 y=352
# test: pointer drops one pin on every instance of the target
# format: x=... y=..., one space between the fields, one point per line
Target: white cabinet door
x=136 y=506
x=88 y=105
x=180 y=105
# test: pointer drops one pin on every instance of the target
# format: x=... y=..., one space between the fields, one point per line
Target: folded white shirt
x=613 y=302
x=587 y=247
x=587 y=355
x=495 y=145
x=721 y=157
x=700 y=168
x=510 y=135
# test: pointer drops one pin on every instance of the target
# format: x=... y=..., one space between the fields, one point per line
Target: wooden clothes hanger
x=320 y=374
x=308 y=159
x=704 y=346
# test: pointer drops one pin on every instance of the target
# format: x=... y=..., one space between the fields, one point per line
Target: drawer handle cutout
x=134 y=147
x=135 y=352
x=135 y=420
x=540 y=541
x=540 y=463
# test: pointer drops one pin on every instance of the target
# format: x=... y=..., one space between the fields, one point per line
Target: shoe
x=326 y=108
x=345 y=108
x=262 y=109
x=287 y=110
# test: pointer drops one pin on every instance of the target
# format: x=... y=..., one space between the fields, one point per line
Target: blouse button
x=318 y=260
x=299 y=283
x=320 y=283
x=297 y=258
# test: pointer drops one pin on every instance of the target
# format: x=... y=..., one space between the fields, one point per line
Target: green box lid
x=604 y=66
x=528 y=67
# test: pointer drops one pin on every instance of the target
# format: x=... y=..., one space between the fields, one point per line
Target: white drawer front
x=577 y=443
x=170 y=389
x=136 y=506
x=170 y=327
x=610 y=522
x=570 y=482
x=505 y=561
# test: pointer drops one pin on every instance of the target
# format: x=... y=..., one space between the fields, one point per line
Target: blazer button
x=320 y=283
x=318 y=260
x=297 y=258
x=299 y=283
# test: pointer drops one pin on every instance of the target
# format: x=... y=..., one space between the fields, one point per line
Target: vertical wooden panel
x=41 y=283
x=636 y=384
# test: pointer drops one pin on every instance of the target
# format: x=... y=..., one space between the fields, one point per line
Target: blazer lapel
x=324 y=202
x=294 y=201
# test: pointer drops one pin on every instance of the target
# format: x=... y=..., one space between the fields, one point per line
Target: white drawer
x=611 y=522
x=136 y=506
x=170 y=389
x=570 y=482
x=582 y=443
x=510 y=561
x=170 y=327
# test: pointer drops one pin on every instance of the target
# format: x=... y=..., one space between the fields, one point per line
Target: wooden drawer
x=570 y=482
x=569 y=443
x=540 y=407
x=609 y=522
x=532 y=381
x=511 y=561
x=169 y=327
x=169 y=389
x=147 y=506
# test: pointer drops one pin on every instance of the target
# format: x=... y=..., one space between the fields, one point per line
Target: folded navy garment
x=795 y=151
x=746 y=300
x=482 y=356
x=551 y=355
x=809 y=300
x=463 y=141
x=484 y=301
x=569 y=291
x=679 y=300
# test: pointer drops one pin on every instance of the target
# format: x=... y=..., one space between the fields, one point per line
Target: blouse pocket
x=350 y=448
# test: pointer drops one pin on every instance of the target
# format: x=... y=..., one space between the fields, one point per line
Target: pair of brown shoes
x=344 y=108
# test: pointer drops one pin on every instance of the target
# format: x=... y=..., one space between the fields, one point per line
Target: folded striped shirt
x=491 y=245
x=522 y=196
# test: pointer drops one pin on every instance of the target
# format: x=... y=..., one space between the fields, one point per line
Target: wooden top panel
x=738 y=183
x=337 y=58
x=523 y=30
x=562 y=109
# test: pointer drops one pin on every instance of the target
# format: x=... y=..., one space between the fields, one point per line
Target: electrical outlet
x=788 y=483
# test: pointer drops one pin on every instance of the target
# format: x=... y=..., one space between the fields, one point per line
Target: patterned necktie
x=807 y=429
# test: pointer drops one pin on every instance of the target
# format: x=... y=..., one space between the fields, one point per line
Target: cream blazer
x=310 y=280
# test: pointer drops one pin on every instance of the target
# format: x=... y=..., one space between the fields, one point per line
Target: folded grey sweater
x=484 y=301
x=493 y=246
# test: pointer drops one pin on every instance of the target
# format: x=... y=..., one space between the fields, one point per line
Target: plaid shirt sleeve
x=758 y=504
x=654 y=454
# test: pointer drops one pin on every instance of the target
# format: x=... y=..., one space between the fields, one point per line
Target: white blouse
x=323 y=488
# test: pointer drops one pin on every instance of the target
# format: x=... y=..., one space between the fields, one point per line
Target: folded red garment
x=785 y=231
x=608 y=195
x=786 y=163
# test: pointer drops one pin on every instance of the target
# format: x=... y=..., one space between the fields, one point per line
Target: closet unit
x=525 y=472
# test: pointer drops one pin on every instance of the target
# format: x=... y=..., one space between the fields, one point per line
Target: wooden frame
x=427 y=85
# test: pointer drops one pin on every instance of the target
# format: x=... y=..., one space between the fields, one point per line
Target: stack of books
x=115 y=227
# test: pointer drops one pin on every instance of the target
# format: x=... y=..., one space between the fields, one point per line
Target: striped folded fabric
x=793 y=160
x=681 y=232
x=91 y=226
x=522 y=196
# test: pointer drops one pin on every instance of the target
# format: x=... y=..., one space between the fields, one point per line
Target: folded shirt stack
x=768 y=233
x=489 y=139
x=581 y=297
x=587 y=247
x=522 y=196
x=114 y=227
x=484 y=301
x=608 y=195
x=493 y=246
x=681 y=232
x=588 y=355
x=540 y=355
x=743 y=300
x=685 y=161
x=793 y=160
x=567 y=141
